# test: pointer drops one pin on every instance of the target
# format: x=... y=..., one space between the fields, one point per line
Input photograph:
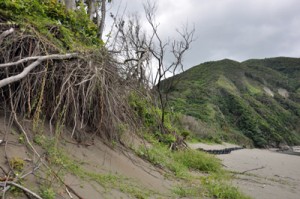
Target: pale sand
x=99 y=158
x=267 y=174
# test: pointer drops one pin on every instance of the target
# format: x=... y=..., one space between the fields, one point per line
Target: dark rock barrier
x=221 y=151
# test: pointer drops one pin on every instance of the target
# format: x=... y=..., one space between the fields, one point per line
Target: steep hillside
x=259 y=99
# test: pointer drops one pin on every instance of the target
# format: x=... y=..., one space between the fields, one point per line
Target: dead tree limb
x=101 y=21
x=46 y=57
x=5 y=34
x=24 y=73
x=20 y=187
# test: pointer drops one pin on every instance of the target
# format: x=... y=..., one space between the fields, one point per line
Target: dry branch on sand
x=4 y=184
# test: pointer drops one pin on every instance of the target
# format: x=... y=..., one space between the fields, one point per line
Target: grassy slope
x=229 y=97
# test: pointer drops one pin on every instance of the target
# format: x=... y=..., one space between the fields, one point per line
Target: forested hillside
x=259 y=99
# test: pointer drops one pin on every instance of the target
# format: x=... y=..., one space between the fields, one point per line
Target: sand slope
x=97 y=159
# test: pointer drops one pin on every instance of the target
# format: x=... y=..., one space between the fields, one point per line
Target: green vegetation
x=17 y=164
x=88 y=97
x=227 y=99
x=197 y=160
x=47 y=193
x=69 y=30
x=109 y=181
x=213 y=183
x=218 y=188
x=149 y=116
x=181 y=162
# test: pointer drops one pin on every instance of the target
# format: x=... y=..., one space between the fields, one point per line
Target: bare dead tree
x=177 y=49
x=70 y=4
x=101 y=20
x=91 y=8
x=141 y=53
x=132 y=50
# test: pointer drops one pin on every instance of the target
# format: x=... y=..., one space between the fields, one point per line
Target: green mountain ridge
x=258 y=99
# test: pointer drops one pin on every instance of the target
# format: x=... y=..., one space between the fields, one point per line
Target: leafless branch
x=3 y=184
x=144 y=52
x=5 y=34
x=39 y=60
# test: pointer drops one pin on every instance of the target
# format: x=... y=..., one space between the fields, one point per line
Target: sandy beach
x=265 y=174
x=261 y=173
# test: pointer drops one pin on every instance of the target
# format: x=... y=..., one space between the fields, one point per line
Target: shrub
x=217 y=188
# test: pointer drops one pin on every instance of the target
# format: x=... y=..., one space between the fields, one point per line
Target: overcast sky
x=234 y=29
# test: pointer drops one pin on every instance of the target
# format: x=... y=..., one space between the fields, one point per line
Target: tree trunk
x=70 y=4
x=91 y=8
x=101 y=21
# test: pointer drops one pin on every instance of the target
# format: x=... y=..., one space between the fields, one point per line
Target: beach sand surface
x=264 y=174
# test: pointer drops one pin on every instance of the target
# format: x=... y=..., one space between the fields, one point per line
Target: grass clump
x=184 y=191
x=47 y=193
x=213 y=179
x=160 y=156
x=180 y=162
x=198 y=160
x=17 y=164
x=218 y=188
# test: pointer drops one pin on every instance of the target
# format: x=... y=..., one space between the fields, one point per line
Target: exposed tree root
x=85 y=93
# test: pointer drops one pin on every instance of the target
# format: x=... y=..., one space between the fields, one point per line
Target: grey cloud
x=236 y=29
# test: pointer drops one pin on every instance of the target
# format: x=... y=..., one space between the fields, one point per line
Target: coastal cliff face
x=256 y=99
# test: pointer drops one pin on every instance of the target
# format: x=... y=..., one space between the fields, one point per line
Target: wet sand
x=265 y=174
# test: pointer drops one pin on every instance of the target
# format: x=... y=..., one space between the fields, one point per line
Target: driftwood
x=20 y=187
